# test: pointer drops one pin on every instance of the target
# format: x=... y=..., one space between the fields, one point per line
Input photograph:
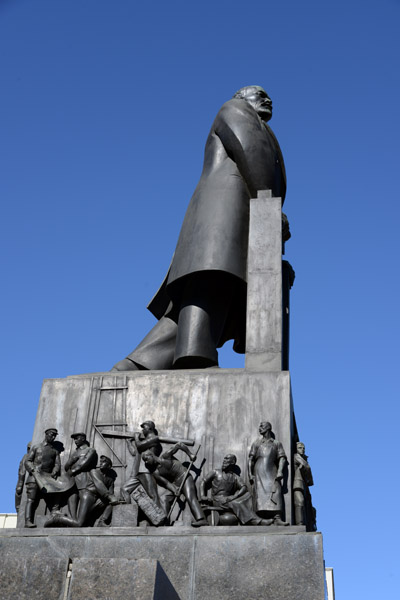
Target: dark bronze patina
x=230 y=494
x=267 y=459
x=202 y=301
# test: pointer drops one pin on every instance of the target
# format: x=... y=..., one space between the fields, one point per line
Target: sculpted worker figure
x=267 y=459
x=170 y=473
x=43 y=458
x=147 y=440
x=82 y=460
x=21 y=478
x=229 y=492
x=202 y=301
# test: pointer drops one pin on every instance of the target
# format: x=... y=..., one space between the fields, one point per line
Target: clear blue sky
x=104 y=109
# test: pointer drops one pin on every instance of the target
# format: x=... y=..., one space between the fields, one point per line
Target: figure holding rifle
x=170 y=473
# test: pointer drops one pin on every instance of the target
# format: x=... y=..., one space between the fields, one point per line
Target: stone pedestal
x=214 y=563
x=218 y=408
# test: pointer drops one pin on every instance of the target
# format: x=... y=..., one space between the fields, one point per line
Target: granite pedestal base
x=214 y=563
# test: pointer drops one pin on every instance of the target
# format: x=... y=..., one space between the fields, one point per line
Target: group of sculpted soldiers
x=88 y=489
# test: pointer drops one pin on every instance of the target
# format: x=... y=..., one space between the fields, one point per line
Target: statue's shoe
x=265 y=522
x=125 y=365
x=199 y=523
x=278 y=521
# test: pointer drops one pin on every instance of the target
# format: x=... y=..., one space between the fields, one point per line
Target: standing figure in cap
x=43 y=457
x=78 y=466
x=147 y=439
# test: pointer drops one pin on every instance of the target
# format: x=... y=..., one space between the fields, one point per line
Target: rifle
x=131 y=434
x=183 y=482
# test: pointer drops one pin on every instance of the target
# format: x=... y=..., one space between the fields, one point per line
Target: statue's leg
x=204 y=308
x=298 y=499
x=155 y=351
x=106 y=515
x=32 y=491
x=189 y=491
x=86 y=502
x=128 y=487
x=73 y=503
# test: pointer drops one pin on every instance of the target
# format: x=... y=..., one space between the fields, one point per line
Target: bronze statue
x=229 y=492
x=43 y=459
x=21 y=478
x=267 y=459
x=147 y=439
x=170 y=473
x=96 y=499
x=202 y=302
x=304 y=512
x=82 y=460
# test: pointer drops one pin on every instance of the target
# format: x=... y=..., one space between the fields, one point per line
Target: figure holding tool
x=171 y=474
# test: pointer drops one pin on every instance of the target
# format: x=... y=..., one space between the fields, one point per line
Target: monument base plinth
x=213 y=563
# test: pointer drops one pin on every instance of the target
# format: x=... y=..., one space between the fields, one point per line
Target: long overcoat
x=242 y=156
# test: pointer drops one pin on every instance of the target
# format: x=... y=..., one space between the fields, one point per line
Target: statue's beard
x=264 y=112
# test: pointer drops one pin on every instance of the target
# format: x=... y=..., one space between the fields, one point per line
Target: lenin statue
x=202 y=301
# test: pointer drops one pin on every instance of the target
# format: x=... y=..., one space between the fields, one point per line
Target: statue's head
x=228 y=461
x=258 y=98
x=301 y=449
x=105 y=463
x=50 y=434
x=148 y=426
x=264 y=427
x=149 y=458
x=80 y=438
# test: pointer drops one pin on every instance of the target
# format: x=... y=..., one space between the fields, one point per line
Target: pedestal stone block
x=119 y=578
x=214 y=563
x=31 y=576
x=264 y=285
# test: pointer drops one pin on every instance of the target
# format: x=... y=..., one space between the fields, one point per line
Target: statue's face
x=228 y=460
x=148 y=458
x=264 y=427
x=79 y=440
x=146 y=428
x=260 y=101
x=104 y=463
x=300 y=448
x=50 y=436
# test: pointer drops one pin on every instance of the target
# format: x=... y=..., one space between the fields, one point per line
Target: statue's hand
x=286 y=235
x=192 y=457
x=113 y=500
x=279 y=477
x=18 y=489
x=203 y=498
x=54 y=475
x=174 y=489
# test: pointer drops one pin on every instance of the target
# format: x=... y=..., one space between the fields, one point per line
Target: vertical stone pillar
x=264 y=285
